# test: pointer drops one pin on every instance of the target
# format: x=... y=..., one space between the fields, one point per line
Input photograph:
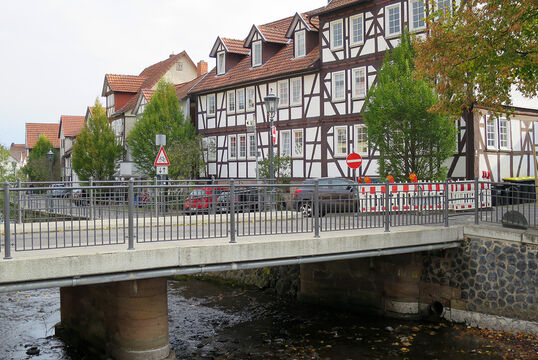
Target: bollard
x=131 y=212
x=316 y=208
x=476 y=202
x=446 y=203
x=7 y=230
x=232 y=211
x=387 y=206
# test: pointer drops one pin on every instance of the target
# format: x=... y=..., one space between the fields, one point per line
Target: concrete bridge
x=113 y=291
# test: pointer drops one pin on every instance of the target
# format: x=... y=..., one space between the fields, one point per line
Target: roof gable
x=310 y=23
x=335 y=5
x=232 y=46
x=122 y=83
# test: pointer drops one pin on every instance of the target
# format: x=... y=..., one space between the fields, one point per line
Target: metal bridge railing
x=41 y=216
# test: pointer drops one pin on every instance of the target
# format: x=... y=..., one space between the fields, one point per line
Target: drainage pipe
x=148 y=274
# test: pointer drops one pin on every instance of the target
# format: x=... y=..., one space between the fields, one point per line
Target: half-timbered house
x=321 y=64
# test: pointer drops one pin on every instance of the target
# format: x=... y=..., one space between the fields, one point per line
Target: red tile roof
x=150 y=76
x=281 y=63
x=72 y=125
x=148 y=93
x=275 y=31
x=182 y=90
x=50 y=131
x=235 y=46
x=334 y=5
x=124 y=83
x=18 y=152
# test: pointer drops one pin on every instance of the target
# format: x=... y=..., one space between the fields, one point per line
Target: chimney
x=201 y=68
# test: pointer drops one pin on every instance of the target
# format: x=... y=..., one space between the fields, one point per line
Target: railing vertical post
x=19 y=201
x=446 y=203
x=130 y=199
x=476 y=200
x=156 y=197
x=387 y=206
x=7 y=231
x=316 y=208
x=231 y=201
x=92 y=200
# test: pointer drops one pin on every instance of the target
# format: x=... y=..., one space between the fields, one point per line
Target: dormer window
x=300 y=45
x=221 y=63
x=256 y=53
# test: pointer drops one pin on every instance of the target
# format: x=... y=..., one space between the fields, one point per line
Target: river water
x=209 y=320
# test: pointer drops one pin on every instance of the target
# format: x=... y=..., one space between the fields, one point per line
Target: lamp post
x=271 y=103
x=50 y=157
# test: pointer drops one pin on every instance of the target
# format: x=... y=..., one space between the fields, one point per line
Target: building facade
x=321 y=65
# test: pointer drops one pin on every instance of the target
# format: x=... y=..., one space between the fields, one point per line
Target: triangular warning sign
x=161 y=158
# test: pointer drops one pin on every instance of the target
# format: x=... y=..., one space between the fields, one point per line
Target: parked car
x=142 y=198
x=202 y=199
x=80 y=197
x=58 y=190
x=335 y=195
x=245 y=199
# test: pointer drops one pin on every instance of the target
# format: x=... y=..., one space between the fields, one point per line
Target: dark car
x=245 y=199
x=202 y=199
x=335 y=195
x=80 y=197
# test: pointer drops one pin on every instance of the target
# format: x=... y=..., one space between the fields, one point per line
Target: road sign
x=162 y=170
x=354 y=160
x=274 y=135
x=161 y=158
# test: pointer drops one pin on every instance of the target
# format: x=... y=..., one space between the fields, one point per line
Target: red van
x=201 y=199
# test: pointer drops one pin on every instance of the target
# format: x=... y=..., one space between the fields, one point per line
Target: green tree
x=409 y=138
x=476 y=53
x=187 y=158
x=162 y=115
x=7 y=172
x=38 y=165
x=96 y=151
x=282 y=168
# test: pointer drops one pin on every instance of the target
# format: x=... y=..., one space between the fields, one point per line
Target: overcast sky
x=54 y=54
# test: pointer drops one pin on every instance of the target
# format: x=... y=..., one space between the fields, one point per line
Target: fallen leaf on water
x=415 y=329
x=404 y=349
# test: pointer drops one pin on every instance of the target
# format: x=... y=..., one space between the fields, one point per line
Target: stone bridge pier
x=125 y=320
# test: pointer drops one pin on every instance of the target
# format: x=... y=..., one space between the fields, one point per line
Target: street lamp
x=50 y=157
x=271 y=103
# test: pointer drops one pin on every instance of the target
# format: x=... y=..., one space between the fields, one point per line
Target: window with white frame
x=490 y=132
x=340 y=141
x=418 y=15
x=296 y=91
x=232 y=147
x=339 y=86
x=231 y=101
x=298 y=143
x=211 y=148
x=392 y=20
x=251 y=104
x=361 y=139
x=211 y=105
x=283 y=93
x=300 y=44
x=221 y=63
x=359 y=82
x=357 y=30
x=504 y=134
x=285 y=143
x=242 y=139
x=444 y=6
x=241 y=100
x=251 y=146
x=257 y=53
x=337 y=34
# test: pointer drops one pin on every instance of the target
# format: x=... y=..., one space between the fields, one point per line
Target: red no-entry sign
x=354 y=160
